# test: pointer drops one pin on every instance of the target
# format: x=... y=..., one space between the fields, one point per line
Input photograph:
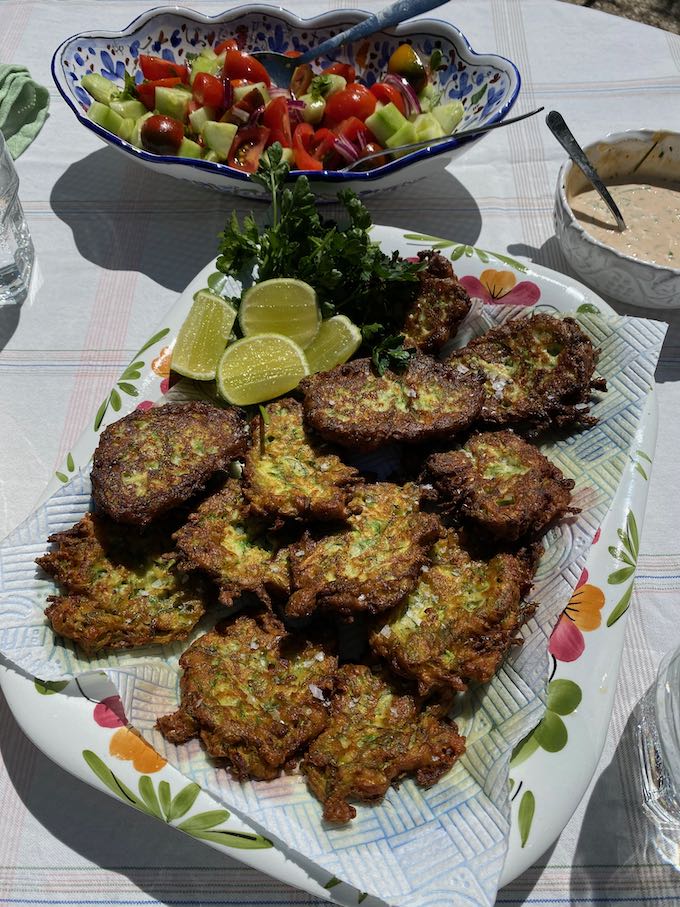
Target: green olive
x=406 y=63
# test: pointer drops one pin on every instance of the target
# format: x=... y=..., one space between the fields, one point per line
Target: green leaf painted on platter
x=620 y=576
x=61 y=476
x=525 y=815
x=588 y=308
x=100 y=414
x=114 y=784
x=512 y=262
x=478 y=95
x=165 y=798
x=525 y=748
x=457 y=253
x=482 y=255
x=129 y=389
x=551 y=733
x=116 y=401
x=644 y=456
x=133 y=370
x=236 y=839
x=362 y=897
x=203 y=821
x=639 y=469
x=183 y=801
x=70 y=465
x=633 y=534
x=621 y=607
x=563 y=696
x=154 y=339
x=331 y=883
x=424 y=238
x=620 y=555
x=148 y=794
x=49 y=687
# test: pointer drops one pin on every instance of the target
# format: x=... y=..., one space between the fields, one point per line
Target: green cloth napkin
x=23 y=107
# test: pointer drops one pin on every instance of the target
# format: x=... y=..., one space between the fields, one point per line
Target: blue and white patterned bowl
x=486 y=84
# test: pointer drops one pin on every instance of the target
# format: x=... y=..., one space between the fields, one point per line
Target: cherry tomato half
x=301 y=79
x=229 y=44
x=351 y=128
x=353 y=101
x=386 y=93
x=371 y=148
x=208 y=90
x=247 y=147
x=302 y=148
x=240 y=65
x=156 y=68
x=346 y=70
x=161 y=134
x=277 y=119
x=146 y=92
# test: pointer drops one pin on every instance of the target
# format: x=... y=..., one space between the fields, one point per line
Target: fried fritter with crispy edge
x=358 y=409
x=502 y=485
x=377 y=734
x=440 y=306
x=235 y=549
x=153 y=460
x=538 y=372
x=289 y=474
x=370 y=565
x=253 y=693
x=460 y=621
x=121 y=587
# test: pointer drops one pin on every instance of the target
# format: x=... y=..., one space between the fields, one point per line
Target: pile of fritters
x=433 y=570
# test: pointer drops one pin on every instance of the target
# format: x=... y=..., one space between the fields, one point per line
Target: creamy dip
x=652 y=215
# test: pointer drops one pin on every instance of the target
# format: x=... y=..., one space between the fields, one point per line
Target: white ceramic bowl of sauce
x=640 y=266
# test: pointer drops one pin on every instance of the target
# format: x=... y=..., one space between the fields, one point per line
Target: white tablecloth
x=115 y=244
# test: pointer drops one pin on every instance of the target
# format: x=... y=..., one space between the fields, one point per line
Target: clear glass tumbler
x=16 y=246
x=659 y=747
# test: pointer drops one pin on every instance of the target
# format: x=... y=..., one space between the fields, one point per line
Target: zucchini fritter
x=121 y=587
x=461 y=619
x=538 y=372
x=440 y=306
x=153 y=460
x=377 y=734
x=253 y=693
x=370 y=565
x=290 y=475
x=501 y=484
x=357 y=408
x=235 y=549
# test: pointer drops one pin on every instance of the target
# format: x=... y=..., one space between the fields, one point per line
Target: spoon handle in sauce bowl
x=564 y=136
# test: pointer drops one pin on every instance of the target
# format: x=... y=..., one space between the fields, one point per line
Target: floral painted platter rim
x=585 y=648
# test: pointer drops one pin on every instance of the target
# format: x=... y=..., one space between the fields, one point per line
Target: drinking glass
x=16 y=246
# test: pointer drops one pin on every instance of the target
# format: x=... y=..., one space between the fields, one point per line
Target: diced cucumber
x=427 y=97
x=403 y=136
x=105 y=117
x=127 y=128
x=208 y=53
x=101 y=88
x=313 y=109
x=242 y=90
x=203 y=63
x=200 y=117
x=131 y=108
x=173 y=102
x=288 y=156
x=219 y=137
x=211 y=156
x=427 y=127
x=338 y=83
x=136 y=137
x=189 y=148
x=385 y=122
x=449 y=115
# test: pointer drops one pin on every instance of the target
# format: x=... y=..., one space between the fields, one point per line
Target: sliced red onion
x=295 y=116
x=228 y=93
x=345 y=149
x=275 y=92
x=296 y=105
x=411 y=101
x=362 y=141
x=240 y=114
x=254 y=118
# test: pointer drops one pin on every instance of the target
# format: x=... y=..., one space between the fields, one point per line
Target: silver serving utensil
x=433 y=143
x=280 y=67
x=564 y=136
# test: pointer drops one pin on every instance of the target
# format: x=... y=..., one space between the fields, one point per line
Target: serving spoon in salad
x=434 y=143
x=280 y=68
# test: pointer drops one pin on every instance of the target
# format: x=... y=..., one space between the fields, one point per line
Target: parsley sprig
x=352 y=276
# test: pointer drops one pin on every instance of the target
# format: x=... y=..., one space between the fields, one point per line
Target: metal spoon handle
x=564 y=136
x=432 y=143
x=384 y=18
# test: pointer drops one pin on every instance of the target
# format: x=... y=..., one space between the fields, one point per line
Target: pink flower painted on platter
x=582 y=614
x=144 y=405
x=109 y=712
x=494 y=287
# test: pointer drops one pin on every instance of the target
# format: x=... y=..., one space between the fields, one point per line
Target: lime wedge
x=338 y=339
x=203 y=336
x=281 y=306
x=260 y=368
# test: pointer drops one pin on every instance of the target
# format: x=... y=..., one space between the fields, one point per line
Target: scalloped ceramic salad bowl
x=486 y=84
